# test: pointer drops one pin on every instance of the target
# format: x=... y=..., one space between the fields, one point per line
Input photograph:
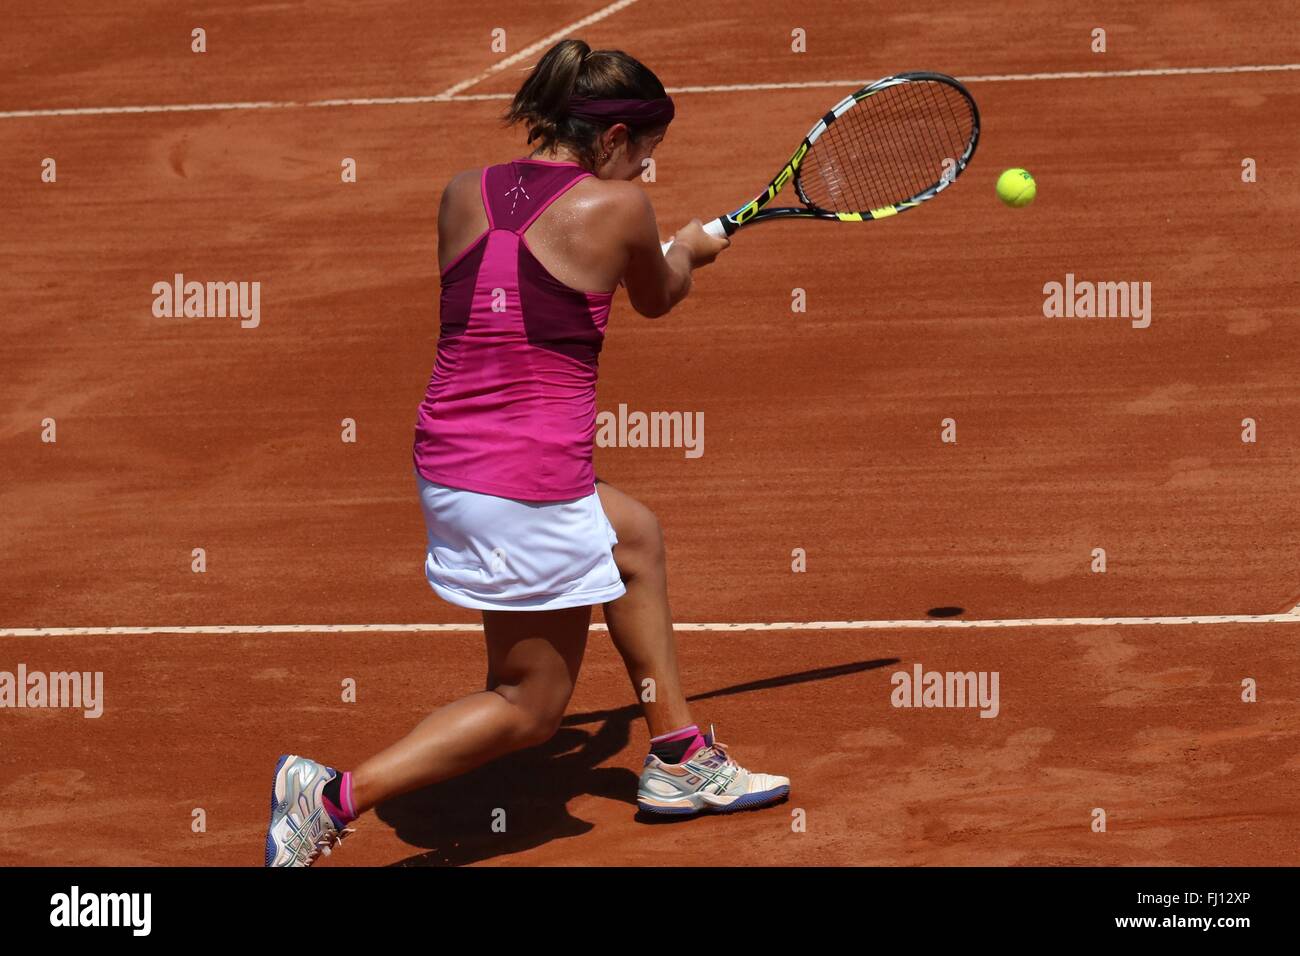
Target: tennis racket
x=880 y=151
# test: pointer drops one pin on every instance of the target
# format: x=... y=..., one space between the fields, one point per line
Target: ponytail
x=569 y=71
x=544 y=98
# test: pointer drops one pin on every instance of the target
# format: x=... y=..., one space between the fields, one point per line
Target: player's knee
x=535 y=716
x=641 y=548
x=538 y=724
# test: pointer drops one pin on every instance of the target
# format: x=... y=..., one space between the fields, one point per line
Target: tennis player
x=519 y=527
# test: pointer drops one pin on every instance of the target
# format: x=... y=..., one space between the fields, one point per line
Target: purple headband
x=640 y=113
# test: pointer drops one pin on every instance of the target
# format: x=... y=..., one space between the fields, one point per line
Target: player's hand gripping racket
x=886 y=148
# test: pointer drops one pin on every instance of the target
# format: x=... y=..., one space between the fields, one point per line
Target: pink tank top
x=511 y=405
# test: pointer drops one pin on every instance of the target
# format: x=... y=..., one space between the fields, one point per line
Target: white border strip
x=537 y=47
x=992 y=78
x=448 y=97
x=929 y=624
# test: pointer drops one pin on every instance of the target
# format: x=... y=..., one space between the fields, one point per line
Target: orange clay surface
x=821 y=433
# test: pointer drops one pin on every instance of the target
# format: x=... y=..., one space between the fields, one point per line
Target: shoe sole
x=270 y=840
x=750 y=801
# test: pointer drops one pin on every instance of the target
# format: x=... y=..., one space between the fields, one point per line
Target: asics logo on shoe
x=304 y=837
x=719 y=777
x=314 y=825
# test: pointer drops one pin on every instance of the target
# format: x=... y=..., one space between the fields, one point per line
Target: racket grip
x=716 y=229
x=713 y=227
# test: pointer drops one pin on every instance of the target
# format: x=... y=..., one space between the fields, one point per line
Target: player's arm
x=461 y=218
x=656 y=282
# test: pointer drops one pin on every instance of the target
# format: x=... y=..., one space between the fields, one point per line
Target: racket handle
x=716 y=229
x=713 y=227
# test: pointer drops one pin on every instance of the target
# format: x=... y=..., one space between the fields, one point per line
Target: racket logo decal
x=779 y=183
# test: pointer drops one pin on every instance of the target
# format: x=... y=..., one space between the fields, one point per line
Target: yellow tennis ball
x=1017 y=188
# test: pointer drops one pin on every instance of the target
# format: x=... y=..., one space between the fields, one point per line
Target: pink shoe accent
x=345 y=794
x=691 y=733
x=696 y=744
x=347 y=812
x=682 y=734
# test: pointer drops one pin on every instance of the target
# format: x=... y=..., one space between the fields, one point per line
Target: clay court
x=1120 y=690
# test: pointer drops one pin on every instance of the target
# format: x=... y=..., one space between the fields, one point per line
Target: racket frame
x=756 y=209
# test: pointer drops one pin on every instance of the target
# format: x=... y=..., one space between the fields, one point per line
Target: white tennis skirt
x=500 y=554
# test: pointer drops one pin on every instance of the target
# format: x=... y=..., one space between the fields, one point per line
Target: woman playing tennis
x=519 y=527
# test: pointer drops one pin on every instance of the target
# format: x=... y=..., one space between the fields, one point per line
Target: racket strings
x=893 y=145
x=896 y=148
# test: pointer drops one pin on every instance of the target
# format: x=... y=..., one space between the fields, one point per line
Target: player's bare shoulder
x=461 y=216
x=613 y=205
x=461 y=193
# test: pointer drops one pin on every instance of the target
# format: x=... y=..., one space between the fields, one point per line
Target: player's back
x=510 y=407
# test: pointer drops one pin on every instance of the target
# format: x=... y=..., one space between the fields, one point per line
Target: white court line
x=537 y=47
x=445 y=97
x=929 y=624
x=996 y=78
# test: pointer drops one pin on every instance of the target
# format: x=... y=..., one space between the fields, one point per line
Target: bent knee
x=640 y=548
x=536 y=719
x=535 y=727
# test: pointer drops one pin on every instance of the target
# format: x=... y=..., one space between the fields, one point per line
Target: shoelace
x=325 y=844
x=727 y=760
x=720 y=749
x=329 y=841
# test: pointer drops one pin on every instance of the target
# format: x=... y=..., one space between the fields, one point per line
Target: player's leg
x=533 y=662
x=640 y=622
x=687 y=771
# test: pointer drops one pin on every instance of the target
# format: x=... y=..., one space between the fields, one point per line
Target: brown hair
x=569 y=69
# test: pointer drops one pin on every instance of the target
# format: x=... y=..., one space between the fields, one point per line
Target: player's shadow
x=454 y=820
